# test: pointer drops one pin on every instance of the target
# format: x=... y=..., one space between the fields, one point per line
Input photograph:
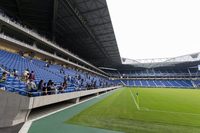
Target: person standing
x=32 y=75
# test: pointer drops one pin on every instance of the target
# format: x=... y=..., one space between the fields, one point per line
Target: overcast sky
x=156 y=28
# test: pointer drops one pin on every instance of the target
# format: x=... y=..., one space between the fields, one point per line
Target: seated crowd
x=49 y=88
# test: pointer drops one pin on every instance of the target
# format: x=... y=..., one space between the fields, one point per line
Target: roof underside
x=83 y=27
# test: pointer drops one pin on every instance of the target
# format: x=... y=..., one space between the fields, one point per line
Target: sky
x=147 y=29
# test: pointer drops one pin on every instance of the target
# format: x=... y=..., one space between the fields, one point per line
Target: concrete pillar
x=77 y=100
x=14 y=111
x=97 y=93
x=0 y=28
x=34 y=45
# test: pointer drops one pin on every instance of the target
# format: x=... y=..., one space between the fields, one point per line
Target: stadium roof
x=82 y=26
x=163 y=62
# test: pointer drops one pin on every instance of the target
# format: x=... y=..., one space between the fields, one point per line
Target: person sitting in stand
x=44 y=89
x=65 y=84
x=3 y=77
x=62 y=71
x=62 y=87
x=25 y=75
x=65 y=78
x=15 y=73
x=47 y=65
x=56 y=88
x=32 y=76
x=49 y=86
x=40 y=85
x=52 y=88
x=31 y=86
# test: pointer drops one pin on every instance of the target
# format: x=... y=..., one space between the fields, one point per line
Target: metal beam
x=54 y=16
x=31 y=9
x=18 y=9
x=83 y=22
x=33 y=16
x=98 y=17
x=95 y=25
x=108 y=40
x=80 y=41
x=38 y=21
x=103 y=34
x=94 y=10
x=108 y=46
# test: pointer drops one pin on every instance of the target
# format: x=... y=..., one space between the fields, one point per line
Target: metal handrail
x=51 y=92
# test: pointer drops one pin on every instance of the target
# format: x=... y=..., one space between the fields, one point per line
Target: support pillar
x=77 y=100
x=0 y=28
x=34 y=45
x=97 y=94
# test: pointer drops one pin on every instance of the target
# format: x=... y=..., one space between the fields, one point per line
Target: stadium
x=61 y=71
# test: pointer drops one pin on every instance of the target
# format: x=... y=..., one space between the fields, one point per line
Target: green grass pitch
x=154 y=110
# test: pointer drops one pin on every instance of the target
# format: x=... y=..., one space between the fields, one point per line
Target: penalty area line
x=137 y=106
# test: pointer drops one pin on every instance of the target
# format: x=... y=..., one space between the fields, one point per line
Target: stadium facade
x=73 y=38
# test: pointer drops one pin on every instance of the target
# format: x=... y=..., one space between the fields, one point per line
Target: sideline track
x=55 y=121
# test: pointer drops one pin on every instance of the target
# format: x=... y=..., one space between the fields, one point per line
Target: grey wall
x=13 y=108
x=46 y=100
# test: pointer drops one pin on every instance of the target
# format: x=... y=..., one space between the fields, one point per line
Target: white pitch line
x=171 y=112
x=138 y=107
x=161 y=111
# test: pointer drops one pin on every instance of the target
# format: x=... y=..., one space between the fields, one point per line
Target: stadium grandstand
x=57 y=55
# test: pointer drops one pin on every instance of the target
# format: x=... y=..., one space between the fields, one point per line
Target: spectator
x=69 y=78
x=52 y=88
x=95 y=83
x=3 y=77
x=49 y=86
x=31 y=55
x=31 y=86
x=41 y=85
x=26 y=75
x=62 y=88
x=44 y=89
x=55 y=89
x=62 y=71
x=47 y=65
x=21 y=53
x=82 y=80
x=65 y=78
x=32 y=76
x=15 y=73
x=49 y=83
x=65 y=82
